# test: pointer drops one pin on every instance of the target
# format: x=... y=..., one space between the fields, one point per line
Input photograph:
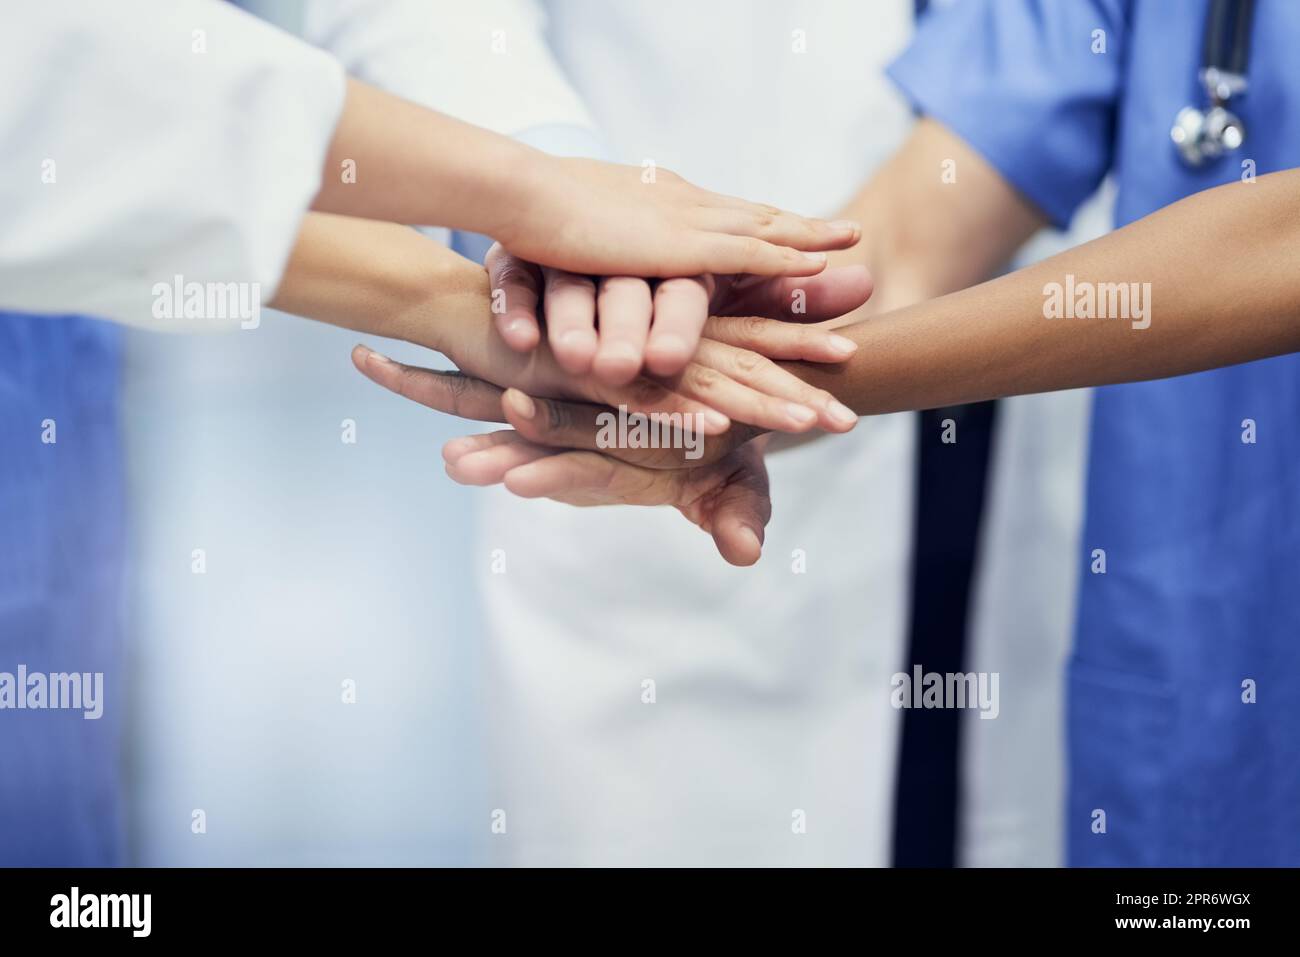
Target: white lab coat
x=464 y=59
x=770 y=738
x=141 y=141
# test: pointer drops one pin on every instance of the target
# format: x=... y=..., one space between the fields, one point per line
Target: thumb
x=738 y=513
x=827 y=295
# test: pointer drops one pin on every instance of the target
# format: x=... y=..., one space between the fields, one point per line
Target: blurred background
x=326 y=562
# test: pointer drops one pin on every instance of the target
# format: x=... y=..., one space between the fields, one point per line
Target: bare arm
x=937 y=217
x=1218 y=271
x=1202 y=310
x=990 y=340
x=407 y=164
x=391 y=281
x=393 y=160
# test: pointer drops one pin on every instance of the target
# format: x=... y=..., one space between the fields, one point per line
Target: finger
x=570 y=304
x=734 y=535
x=828 y=295
x=657 y=401
x=780 y=340
x=515 y=284
x=739 y=513
x=623 y=306
x=721 y=253
x=845 y=232
x=720 y=390
x=490 y=465
x=587 y=479
x=681 y=307
x=449 y=392
x=574 y=425
x=781 y=228
x=557 y=423
x=776 y=385
x=455 y=449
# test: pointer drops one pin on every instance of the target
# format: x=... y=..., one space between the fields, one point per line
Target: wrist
x=508 y=185
x=437 y=303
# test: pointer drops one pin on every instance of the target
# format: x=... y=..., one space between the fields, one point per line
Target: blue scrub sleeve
x=1020 y=82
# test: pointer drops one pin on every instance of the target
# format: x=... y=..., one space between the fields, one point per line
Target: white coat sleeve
x=485 y=62
x=144 y=141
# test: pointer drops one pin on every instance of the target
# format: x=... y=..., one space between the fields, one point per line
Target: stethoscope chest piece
x=1202 y=136
x=1205 y=135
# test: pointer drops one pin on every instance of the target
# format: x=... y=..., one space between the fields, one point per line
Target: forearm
x=936 y=217
x=994 y=340
x=393 y=160
x=381 y=279
x=389 y=280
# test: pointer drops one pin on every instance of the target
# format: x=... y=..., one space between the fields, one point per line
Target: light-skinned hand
x=613 y=326
x=606 y=219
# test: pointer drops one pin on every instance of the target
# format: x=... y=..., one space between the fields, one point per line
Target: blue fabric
x=1201 y=531
x=61 y=554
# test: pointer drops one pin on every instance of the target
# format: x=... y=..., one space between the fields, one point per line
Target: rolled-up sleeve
x=1031 y=85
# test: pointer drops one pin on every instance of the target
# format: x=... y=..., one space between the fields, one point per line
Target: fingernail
x=522 y=403
x=845 y=226
x=377 y=356
x=842 y=345
x=800 y=414
x=754 y=534
x=841 y=413
x=716 y=419
x=454 y=449
x=574 y=336
x=670 y=344
x=815 y=257
x=619 y=351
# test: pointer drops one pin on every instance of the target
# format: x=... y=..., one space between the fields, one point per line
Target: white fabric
x=462 y=58
x=1012 y=769
x=143 y=140
x=1023 y=611
x=771 y=686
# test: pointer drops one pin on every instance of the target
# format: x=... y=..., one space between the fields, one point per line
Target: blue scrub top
x=61 y=560
x=1201 y=530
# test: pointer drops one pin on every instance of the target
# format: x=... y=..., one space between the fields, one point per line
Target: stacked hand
x=657 y=326
x=610 y=219
x=696 y=341
x=708 y=345
x=552 y=452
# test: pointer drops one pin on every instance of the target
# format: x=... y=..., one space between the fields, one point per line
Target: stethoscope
x=1203 y=136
